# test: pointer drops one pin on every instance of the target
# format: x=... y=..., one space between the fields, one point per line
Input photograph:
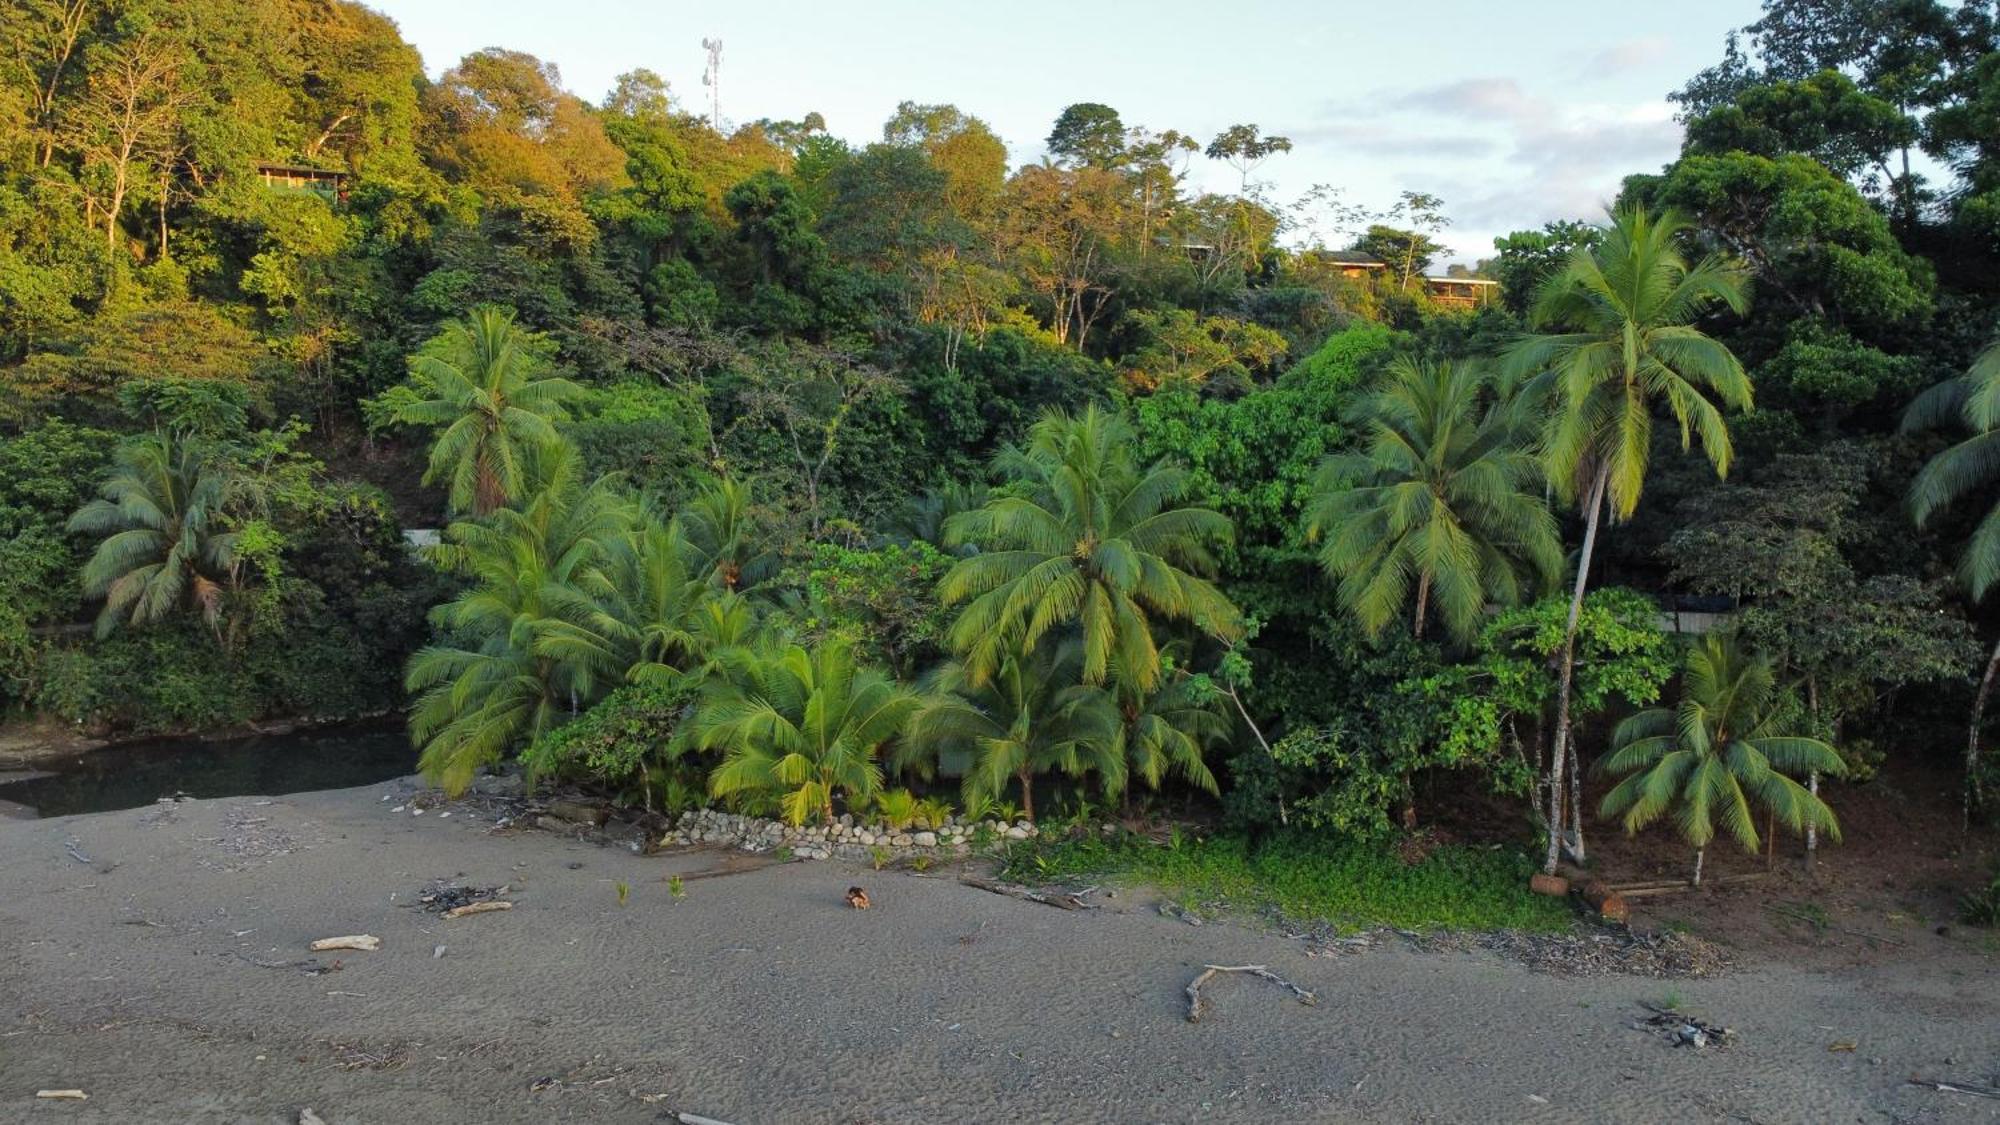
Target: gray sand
x=155 y=978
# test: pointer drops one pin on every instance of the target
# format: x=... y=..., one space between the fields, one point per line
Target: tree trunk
x=1812 y=778
x=1574 y=843
x=1699 y=853
x=1423 y=602
x=1593 y=508
x=1027 y=781
x=1972 y=794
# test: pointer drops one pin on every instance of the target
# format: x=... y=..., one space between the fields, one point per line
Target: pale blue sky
x=1516 y=113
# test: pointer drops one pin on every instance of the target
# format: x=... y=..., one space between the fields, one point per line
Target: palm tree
x=1621 y=346
x=483 y=381
x=1085 y=537
x=1170 y=729
x=923 y=518
x=520 y=653
x=1436 y=493
x=1723 y=747
x=161 y=515
x=800 y=725
x=1029 y=717
x=1970 y=466
x=724 y=541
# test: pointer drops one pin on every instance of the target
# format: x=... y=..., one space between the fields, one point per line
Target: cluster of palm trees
x=1070 y=580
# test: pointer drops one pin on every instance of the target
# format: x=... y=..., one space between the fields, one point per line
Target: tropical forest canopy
x=782 y=471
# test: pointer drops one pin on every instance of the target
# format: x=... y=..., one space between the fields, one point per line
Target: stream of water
x=137 y=774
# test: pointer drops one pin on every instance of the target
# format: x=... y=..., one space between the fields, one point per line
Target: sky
x=1515 y=114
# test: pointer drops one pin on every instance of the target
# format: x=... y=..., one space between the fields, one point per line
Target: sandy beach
x=158 y=962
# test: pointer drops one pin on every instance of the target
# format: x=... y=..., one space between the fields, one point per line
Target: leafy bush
x=1981 y=907
x=624 y=743
x=897 y=808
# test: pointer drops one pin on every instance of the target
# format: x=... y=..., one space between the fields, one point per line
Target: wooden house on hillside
x=1461 y=292
x=325 y=182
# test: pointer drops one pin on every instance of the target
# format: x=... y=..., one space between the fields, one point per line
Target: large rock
x=925 y=839
x=577 y=812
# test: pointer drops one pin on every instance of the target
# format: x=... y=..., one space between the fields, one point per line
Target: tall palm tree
x=1620 y=344
x=1084 y=536
x=724 y=541
x=800 y=725
x=1440 y=492
x=1969 y=467
x=1029 y=717
x=483 y=381
x=518 y=654
x=1723 y=747
x=164 y=546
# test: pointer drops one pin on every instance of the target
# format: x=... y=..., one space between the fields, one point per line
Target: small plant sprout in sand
x=624 y=891
x=677 y=887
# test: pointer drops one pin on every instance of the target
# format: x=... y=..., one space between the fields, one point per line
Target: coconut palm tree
x=724 y=541
x=1972 y=466
x=1084 y=537
x=483 y=383
x=800 y=725
x=164 y=547
x=513 y=662
x=1440 y=492
x=1029 y=717
x=1722 y=748
x=1619 y=344
x=1171 y=728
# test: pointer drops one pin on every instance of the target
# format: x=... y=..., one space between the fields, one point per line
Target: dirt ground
x=158 y=962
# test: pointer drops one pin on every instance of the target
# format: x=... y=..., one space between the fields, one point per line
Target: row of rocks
x=844 y=837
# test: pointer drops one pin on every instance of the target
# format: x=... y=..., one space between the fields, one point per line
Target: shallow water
x=136 y=774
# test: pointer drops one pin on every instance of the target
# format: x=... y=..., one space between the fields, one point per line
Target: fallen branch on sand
x=1958 y=1087
x=697 y=1119
x=366 y=943
x=76 y=853
x=1305 y=996
x=478 y=908
x=1068 y=900
x=63 y=1095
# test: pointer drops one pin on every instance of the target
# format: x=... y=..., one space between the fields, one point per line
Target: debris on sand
x=858 y=898
x=63 y=1095
x=1661 y=956
x=1683 y=1030
x=441 y=897
x=365 y=943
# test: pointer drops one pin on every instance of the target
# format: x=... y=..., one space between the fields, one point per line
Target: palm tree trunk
x=1593 y=509
x=1812 y=778
x=1573 y=842
x=1423 y=602
x=1699 y=853
x=1972 y=794
x=1027 y=781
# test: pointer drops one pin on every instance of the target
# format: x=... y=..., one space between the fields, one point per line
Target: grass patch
x=1352 y=885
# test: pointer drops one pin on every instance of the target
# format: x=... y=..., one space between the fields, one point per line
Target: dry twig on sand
x=1975 y=1090
x=366 y=943
x=1067 y=900
x=1305 y=996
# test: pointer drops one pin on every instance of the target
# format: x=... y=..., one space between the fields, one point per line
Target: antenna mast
x=712 y=78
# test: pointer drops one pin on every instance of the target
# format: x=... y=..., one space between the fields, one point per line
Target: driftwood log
x=478 y=908
x=1974 y=1089
x=366 y=943
x=1305 y=996
x=1067 y=900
